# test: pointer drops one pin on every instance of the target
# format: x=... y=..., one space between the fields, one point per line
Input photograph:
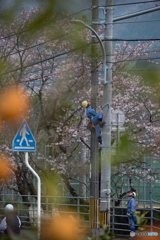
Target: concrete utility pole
x=83 y=178
x=106 y=130
x=94 y=180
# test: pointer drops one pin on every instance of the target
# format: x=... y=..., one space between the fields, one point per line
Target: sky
x=144 y=26
x=139 y=27
x=121 y=29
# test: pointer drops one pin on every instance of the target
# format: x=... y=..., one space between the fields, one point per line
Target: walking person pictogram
x=24 y=140
x=23 y=133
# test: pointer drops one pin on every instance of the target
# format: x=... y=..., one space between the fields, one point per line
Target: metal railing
x=152 y=209
x=27 y=210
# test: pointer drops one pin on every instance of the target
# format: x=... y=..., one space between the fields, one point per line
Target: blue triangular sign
x=24 y=140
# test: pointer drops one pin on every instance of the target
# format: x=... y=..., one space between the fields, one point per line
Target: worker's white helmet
x=134 y=194
x=9 y=207
x=84 y=104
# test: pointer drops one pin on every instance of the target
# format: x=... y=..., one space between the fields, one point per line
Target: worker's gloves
x=129 y=215
x=101 y=124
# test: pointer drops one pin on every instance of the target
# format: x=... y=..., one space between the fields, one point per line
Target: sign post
x=24 y=142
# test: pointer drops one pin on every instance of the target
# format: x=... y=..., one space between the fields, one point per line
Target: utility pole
x=94 y=180
x=106 y=130
x=82 y=187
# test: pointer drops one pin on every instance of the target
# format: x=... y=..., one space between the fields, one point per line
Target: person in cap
x=11 y=223
x=131 y=208
x=96 y=118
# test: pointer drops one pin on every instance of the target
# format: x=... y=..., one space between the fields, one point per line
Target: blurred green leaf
x=125 y=151
x=141 y=221
x=43 y=15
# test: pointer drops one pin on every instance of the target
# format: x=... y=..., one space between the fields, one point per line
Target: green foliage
x=78 y=37
x=10 y=11
x=141 y=221
x=39 y=20
x=106 y=235
x=25 y=235
x=126 y=151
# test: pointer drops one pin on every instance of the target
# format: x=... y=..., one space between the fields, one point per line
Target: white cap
x=9 y=207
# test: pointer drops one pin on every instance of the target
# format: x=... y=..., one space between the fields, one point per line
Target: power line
x=131 y=40
x=132 y=3
x=69 y=33
x=134 y=14
x=156 y=20
x=142 y=70
x=138 y=60
x=40 y=44
x=52 y=57
x=125 y=54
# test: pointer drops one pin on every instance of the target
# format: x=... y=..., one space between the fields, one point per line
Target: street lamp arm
x=100 y=41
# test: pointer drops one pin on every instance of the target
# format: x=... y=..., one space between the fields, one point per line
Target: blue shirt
x=131 y=206
x=90 y=112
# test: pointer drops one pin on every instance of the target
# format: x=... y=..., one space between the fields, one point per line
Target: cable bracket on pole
x=111 y=82
x=109 y=8
x=109 y=68
x=105 y=9
x=93 y=7
x=108 y=38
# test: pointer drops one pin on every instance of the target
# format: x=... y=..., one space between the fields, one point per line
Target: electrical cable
x=142 y=70
x=149 y=52
x=125 y=54
x=134 y=14
x=73 y=15
x=99 y=23
x=71 y=51
x=113 y=40
x=132 y=3
x=156 y=20
x=137 y=60
x=131 y=40
x=71 y=33
x=52 y=57
x=36 y=45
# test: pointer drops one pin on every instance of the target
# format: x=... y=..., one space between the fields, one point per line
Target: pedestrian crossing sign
x=24 y=140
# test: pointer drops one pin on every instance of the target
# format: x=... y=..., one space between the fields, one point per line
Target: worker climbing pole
x=96 y=120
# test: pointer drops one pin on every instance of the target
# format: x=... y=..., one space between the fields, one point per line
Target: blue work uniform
x=96 y=118
x=131 y=208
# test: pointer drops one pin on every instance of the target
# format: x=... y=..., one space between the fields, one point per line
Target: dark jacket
x=10 y=224
x=13 y=224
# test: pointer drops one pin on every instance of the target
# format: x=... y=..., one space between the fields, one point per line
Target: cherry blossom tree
x=140 y=104
x=53 y=65
x=54 y=70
